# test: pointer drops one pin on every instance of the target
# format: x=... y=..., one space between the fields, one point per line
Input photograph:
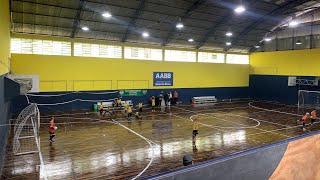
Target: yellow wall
x=60 y=73
x=296 y=63
x=4 y=36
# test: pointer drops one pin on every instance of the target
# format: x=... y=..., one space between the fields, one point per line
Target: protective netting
x=26 y=131
x=59 y=103
x=307 y=99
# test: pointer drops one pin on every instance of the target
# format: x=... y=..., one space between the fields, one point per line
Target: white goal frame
x=301 y=101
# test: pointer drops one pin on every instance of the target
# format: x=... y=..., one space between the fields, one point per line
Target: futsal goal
x=309 y=99
x=26 y=131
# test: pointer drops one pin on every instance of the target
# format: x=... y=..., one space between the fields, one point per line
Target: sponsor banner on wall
x=162 y=78
x=133 y=92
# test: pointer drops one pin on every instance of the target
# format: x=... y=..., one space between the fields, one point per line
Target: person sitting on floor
x=188 y=160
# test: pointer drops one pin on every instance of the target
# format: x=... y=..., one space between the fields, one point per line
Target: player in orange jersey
x=304 y=121
x=52 y=130
x=313 y=116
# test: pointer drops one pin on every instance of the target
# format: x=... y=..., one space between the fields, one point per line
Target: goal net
x=309 y=99
x=26 y=131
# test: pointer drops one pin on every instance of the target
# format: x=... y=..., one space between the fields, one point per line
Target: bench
x=203 y=100
x=109 y=104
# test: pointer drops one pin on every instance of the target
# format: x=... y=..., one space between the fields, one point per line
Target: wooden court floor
x=90 y=147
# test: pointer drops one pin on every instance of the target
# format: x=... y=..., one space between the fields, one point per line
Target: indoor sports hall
x=159 y=89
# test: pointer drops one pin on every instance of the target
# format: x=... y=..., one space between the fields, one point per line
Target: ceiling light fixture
x=229 y=34
x=190 y=40
x=239 y=9
x=145 y=34
x=107 y=15
x=293 y=23
x=228 y=43
x=267 y=39
x=257 y=47
x=298 y=42
x=85 y=28
x=179 y=25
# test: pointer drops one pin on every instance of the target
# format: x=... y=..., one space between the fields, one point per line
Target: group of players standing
x=306 y=117
x=117 y=104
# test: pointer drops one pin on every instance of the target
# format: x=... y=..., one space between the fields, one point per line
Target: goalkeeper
x=304 y=120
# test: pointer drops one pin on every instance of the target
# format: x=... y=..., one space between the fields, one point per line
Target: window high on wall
x=142 y=53
x=42 y=47
x=237 y=59
x=97 y=50
x=211 y=57
x=181 y=56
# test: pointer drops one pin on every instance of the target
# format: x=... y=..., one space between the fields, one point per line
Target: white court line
x=270 y=110
x=42 y=165
x=231 y=127
x=250 y=104
x=199 y=122
x=148 y=141
x=150 y=115
x=119 y=110
x=291 y=127
x=244 y=116
x=264 y=121
x=180 y=113
x=244 y=125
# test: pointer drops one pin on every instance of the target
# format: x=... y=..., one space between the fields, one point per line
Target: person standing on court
x=160 y=99
x=129 y=112
x=195 y=130
x=101 y=109
x=304 y=120
x=153 y=103
x=140 y=107
x=313 y=116
x=52 y=130
x=119 y=102
x=166 y=98
x=170 y=98
x=175 y=97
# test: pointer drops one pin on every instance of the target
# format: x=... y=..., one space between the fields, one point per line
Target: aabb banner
x=162 y=78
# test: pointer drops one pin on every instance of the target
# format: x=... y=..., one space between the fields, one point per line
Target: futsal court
x=88 y=146
x=159 y=89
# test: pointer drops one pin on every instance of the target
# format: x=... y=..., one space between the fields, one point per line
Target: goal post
x=26 y=131
x=309 y=99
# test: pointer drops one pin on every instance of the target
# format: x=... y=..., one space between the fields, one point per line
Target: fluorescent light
x=239 y=9
x=107 y=15
x=179 y=25
x=229 y=34
x=85 y=28
x=298 y=42
x=190 y=40
x=267 y=39
x=145 y=34
x=293 y=23
x=228 y=43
